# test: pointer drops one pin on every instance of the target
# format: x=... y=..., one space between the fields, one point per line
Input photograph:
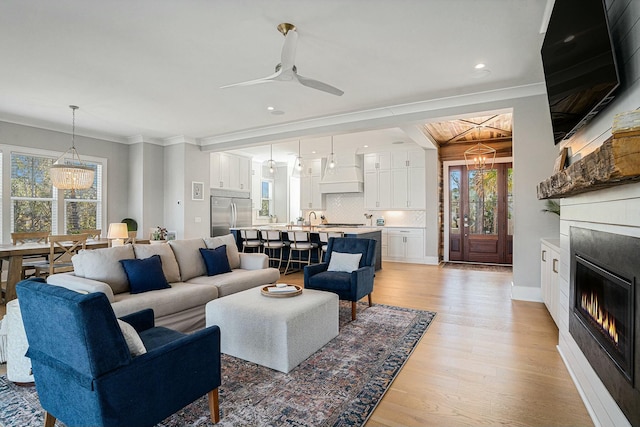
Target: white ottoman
x=18 y=366
x=278 y=333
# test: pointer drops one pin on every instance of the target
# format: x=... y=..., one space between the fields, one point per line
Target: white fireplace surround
x=614 y=210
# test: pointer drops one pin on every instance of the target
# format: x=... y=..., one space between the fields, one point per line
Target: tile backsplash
x=348 y=208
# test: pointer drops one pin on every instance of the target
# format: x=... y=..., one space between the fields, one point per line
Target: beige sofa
x=182 y=306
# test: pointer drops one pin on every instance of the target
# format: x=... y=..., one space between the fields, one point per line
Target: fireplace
x=605 y=269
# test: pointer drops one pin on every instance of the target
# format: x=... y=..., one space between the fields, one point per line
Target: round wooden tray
x=266 y=293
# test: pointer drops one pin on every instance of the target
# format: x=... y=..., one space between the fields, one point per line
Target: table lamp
x=117 y=233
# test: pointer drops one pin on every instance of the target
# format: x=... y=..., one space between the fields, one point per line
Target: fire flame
x=607 y=322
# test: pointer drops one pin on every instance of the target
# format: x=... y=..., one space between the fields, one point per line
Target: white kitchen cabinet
x=310 y=195
x=405 y=245
x=377 y=181
x=256 y=185
x=377 y=161
x=549 y=271
x=229 y=172
x=408 y=180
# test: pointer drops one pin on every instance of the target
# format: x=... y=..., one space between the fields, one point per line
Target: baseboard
x=581 y=392
x=429 y=260
x=526 y=293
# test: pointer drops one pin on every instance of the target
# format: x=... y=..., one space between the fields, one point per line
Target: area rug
x=478 y=267
x=339 y=385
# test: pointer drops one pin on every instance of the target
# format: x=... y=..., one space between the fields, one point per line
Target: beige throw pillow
x=232 y=248
x=346 y=262
x=104 y=265
x=190 y=261
x=134 y=342
x=169 y=264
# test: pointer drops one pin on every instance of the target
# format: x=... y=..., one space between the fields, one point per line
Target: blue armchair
x=85 y=374
x=351 y=286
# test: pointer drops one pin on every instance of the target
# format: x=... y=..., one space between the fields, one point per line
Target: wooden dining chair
x=92 y=233
x=61 y=248
x=29 y=261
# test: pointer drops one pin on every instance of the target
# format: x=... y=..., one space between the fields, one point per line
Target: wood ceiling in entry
x=455 y=136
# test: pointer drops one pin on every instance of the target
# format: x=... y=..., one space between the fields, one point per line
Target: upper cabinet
x=230 y=172
x=394 y=180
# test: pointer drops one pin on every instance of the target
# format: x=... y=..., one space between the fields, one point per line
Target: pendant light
x=75 y=175
x=331 y=166
x=298 y=165
x=270 y=164
x=480 y=157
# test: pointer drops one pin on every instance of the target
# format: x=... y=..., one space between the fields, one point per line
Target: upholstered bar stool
x=300 y=242
x=324 y=239
x=250 y=239
x=273 y=244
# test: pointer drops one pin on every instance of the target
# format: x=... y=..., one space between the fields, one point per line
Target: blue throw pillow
x=216 y=260
x=145 y=274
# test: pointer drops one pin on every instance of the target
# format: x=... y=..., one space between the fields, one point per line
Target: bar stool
x=324 y=240
x=250 y=239
x=300 y=241
x=272 y=242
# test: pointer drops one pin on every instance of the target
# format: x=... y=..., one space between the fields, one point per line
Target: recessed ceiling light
x=313 y=152
x=270 y=108
x=366 y=146
x=479 y=66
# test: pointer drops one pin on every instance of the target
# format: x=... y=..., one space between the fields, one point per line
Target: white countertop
x=314 y=229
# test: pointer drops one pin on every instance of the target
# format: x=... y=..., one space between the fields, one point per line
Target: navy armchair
x=350 y=286
x=85 y=374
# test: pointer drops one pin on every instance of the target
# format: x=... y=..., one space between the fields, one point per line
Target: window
x=32 y=195
x=35 y=204
x=266 y=198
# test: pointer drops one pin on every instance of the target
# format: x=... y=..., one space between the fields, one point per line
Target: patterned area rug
x=478 y=267
x=339 y=385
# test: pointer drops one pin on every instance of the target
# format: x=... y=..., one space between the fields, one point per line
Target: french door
x=481 y=214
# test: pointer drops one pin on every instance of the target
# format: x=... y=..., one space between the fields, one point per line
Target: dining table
x=15 y=253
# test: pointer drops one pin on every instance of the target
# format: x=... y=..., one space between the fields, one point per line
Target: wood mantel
x=615 y=162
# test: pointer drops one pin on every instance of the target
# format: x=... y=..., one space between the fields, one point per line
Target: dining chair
x=92 y=233
x=66 y=246
x=22 y=237
x=300 y=242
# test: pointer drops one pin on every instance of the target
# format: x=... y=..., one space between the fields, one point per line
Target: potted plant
x=159 y=235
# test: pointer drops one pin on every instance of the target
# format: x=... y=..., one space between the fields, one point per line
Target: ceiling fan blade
x=288 y=55
x=315 y=84
x=268 y=79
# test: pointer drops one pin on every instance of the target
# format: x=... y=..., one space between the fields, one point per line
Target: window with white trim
x=35 y=204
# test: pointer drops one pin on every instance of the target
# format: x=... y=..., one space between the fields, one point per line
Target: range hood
x=347 y=177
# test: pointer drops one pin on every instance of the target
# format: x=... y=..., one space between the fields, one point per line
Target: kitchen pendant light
x=270 y=164
x=332 y=165
x=298 y=165
x=74 y=175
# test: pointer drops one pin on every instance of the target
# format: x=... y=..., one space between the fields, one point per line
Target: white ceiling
x=151 y=69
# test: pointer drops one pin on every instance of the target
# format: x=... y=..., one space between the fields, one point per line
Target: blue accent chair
x=349 y=286
x=83 y=370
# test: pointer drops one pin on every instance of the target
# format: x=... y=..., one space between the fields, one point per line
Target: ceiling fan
x=286 y=70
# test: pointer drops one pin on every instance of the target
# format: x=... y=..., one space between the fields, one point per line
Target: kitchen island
x=349 y=232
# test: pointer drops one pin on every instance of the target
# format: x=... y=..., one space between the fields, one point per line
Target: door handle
x=555 y=265
x=544 y=252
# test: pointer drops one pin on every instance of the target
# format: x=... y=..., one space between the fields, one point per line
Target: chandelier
x=480 y=157
x=74 y=175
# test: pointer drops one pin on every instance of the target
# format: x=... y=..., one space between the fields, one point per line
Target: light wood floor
x=485 y=360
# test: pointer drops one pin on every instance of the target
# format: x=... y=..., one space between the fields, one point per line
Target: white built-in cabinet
x=310 y=195
x=256 y=185
x=377 y=180
x=394 y=180
x=403 y=244
x=230 y=172
x=549 y=272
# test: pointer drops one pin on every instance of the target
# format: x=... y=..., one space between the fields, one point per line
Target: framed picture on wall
x=197 y=190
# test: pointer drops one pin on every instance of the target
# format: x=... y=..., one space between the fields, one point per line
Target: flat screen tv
x=579 y=64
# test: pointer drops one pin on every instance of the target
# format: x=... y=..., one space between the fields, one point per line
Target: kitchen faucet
x=314 y=216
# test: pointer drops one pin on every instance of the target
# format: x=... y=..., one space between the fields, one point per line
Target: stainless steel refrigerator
x=229 y=209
